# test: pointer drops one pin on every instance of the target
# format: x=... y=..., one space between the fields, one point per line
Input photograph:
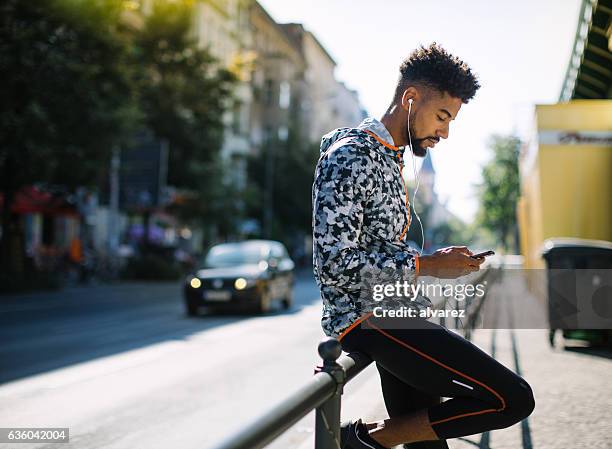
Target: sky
x=519 y=49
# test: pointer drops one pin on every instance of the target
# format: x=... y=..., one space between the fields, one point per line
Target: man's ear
x=409 y=93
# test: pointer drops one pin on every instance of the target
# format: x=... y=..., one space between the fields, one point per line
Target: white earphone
x=410 y=100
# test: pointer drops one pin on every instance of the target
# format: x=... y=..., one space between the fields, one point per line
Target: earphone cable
x=417 y=177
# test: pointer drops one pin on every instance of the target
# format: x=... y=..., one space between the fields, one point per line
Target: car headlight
x=242 y=283
x=195 y=283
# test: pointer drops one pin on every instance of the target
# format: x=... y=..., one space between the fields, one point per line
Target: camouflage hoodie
x=360 y=218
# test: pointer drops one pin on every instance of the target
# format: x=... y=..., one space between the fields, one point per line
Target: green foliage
x=182 y=94
x=77 y=79
x=293 y=174
x=219 y=203
x=66 y=95
x=414 y=231
x=452 y=232
x=500 y=189
x=65 y=99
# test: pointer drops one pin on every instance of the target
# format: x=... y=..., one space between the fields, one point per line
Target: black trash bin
x=563 y=256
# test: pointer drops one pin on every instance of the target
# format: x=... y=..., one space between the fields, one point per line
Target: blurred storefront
x=50 y=221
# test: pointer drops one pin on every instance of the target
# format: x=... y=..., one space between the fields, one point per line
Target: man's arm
x=343 y=180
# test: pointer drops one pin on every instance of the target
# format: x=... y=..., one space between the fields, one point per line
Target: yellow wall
x=566 y=190
x=576 y=183
x=530 y=219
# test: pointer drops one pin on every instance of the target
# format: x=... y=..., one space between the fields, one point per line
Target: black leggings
x=419 y=366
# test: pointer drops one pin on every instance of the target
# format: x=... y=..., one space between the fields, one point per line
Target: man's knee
x=520 y=403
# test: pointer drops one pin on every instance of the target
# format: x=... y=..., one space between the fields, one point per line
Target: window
x=284 y=96
x=283 y=133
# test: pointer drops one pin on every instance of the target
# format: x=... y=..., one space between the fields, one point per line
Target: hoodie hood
x=363 y=139
x=340 y=133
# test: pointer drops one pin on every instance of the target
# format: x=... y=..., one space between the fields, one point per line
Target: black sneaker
x=355 y=435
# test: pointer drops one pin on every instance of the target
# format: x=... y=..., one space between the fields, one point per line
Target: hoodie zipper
x=401 y=167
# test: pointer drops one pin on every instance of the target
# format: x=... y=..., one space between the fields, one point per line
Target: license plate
x=217 y=295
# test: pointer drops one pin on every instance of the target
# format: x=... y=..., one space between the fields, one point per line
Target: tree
x=500 y=188
x=417 y=230
x=219 y=205
x=79 y=79
x=452 y=232
x=293 y=174
x=65 y=98
x=183 y=95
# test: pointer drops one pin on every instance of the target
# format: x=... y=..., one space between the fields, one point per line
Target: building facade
x=222 y=28
x=287 y=90
x=347 y=110
x=320 y=103
x=277 y=81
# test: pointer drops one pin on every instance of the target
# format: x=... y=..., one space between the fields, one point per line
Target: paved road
x=123 y=367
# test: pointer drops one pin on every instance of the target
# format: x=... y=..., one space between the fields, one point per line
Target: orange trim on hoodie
x=401 y=167
x=388 y=145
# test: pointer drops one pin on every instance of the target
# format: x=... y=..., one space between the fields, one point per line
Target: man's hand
x=449 y=263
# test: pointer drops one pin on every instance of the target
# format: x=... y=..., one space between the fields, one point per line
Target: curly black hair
x=434 y=67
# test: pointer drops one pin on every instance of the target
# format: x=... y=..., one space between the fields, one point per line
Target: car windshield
x=229 y=255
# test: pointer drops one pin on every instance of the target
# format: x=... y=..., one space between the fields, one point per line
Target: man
x=360 y=218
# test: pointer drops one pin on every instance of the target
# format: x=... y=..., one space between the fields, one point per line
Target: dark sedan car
x=248 y=275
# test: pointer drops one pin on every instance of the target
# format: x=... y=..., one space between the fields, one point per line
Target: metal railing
x=323 y=393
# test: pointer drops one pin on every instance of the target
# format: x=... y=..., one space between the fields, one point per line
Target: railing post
x=327 y=426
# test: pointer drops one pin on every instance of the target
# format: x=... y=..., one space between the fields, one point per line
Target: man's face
x=430 y=119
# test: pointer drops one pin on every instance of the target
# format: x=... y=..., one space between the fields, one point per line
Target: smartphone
x=481 y=255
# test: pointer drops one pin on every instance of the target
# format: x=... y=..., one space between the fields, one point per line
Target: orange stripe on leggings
x=465 y=414
x=352 y=326
x=450 y=369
